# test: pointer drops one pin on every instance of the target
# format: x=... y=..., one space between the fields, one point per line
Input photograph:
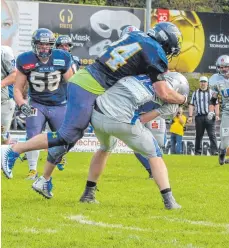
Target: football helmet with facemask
x=176 y=81
x=168 y=36
x=62 y=40
x=222 y=65
x=43 y=41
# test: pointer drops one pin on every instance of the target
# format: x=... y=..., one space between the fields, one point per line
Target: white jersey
x=7 y=67
x=121 y=102
x=220 y=85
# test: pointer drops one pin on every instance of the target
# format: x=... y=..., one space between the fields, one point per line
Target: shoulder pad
x=6 y=50
x=215 y=79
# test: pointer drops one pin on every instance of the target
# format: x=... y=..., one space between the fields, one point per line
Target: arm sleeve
x=213 y=101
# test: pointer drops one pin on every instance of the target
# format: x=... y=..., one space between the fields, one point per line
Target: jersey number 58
x=41 y=80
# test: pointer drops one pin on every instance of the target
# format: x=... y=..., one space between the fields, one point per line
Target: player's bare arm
x=144 y=118
x=68 y=74
x=20 y=84
x=10 y=79
x=167 y=94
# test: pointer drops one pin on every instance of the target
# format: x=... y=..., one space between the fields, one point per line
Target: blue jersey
x=46 y=84
x=136 y=53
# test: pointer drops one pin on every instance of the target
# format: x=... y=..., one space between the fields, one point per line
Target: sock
x=32 y=158
x=90 y=184
x=164 y=191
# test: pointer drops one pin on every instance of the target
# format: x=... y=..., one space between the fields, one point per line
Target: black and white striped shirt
x=200 y=100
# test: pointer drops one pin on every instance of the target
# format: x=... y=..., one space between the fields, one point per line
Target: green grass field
x=130 y=213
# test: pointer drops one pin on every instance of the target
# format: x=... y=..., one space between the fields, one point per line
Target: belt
x=201 y=115
x=96 y=107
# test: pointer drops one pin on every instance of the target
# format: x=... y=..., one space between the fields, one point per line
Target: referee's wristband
x=190 y=116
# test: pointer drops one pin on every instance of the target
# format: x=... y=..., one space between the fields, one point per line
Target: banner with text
x=91 y=144
x=91 y=28
x=18 y=21
x=205 y=38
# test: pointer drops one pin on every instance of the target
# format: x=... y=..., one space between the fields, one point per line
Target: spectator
x=8 y=76
x=177 y=132
x=200 y=101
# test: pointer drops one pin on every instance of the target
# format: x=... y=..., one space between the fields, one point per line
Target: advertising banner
x=91 y=144
x=18 y=21
x=91 y=28
x=205 y=38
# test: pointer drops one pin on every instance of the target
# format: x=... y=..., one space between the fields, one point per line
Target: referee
x=200 y=101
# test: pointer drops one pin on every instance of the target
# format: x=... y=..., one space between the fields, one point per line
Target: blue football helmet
x=43 y=36
x=64 y=39
x=168 y=36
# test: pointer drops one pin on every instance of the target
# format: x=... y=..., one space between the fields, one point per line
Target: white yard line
x=192 y=222
x=36 y=231
x=83 y=220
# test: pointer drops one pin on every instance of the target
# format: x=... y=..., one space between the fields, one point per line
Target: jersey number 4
x=39 y=80
x=121 y=54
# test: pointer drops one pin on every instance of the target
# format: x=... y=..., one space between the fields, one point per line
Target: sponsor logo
x=219 y=40
x=66 y=18
x=46 y=69
x=162 y=15
x=44 y=35
x=60 y=62
x=78 y=37
x=155 y=125
x=54 y=135
x=28 y=66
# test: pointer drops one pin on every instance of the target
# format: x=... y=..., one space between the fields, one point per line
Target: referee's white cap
x=204 y=79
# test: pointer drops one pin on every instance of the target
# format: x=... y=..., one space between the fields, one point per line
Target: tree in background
x=196 y=5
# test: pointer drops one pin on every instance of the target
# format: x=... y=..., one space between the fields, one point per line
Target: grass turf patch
x=130 y=213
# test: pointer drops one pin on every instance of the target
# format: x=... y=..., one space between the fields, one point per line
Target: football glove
x=211 y=115
x=26 y=109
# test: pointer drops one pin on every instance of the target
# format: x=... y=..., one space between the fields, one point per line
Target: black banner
x=205 y=38
x=91 y=28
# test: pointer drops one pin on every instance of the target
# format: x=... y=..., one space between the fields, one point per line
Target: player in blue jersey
x=64 y=42
x=45 y=69
x=135 y=53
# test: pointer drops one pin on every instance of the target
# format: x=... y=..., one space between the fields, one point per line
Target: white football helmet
x=128 y=29
x=222 y=65
x=177 y=81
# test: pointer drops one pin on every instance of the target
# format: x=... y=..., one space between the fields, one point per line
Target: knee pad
x=54 y=139
x=55 y=154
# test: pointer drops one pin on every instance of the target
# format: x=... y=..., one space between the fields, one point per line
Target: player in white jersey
x=219 y=83
x=115 y=116
x=156 y=126
x=8 y=77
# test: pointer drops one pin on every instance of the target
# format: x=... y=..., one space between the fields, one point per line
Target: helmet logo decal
x=163 y=35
